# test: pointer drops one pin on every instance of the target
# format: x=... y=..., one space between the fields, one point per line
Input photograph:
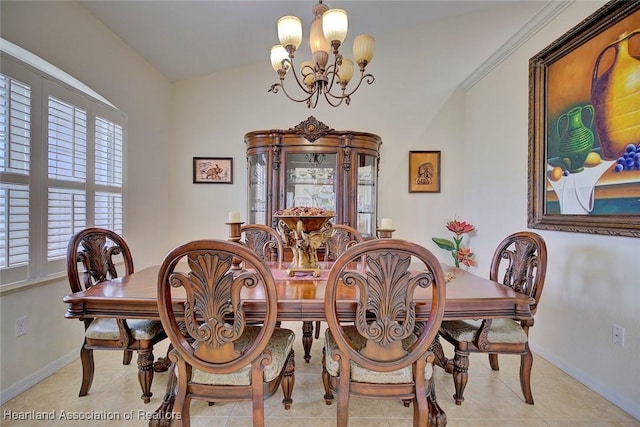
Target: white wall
x=592 y=281
x=68 y=36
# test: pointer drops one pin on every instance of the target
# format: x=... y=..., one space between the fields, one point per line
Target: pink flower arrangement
x=460 y=253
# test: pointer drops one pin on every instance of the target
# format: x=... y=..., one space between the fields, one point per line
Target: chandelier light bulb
x=278 y=53
x=290 y=31
x=307 y=67
x=335 y=25
x=345 y=71
x=317 y=41
x=363 y=48
x=309 y=79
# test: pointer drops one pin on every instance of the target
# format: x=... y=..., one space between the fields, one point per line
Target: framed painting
x=424 y=171
x=213 y=170
x=584 y=126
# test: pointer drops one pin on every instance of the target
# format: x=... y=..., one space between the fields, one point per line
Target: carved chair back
x=263 y=240
x=98 y=250
x=218 y=356
x=213 y=312
x=385 y=313
x=343 y=238
x=520 y=262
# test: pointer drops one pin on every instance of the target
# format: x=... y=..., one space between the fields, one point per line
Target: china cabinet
x=311 y=164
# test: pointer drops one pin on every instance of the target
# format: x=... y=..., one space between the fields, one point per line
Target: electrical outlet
x=618 y=335
x=21 y=326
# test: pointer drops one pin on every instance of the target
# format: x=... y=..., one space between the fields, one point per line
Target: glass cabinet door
x=311 y=180
x=367 y=203
x=258 y=189
x=313 y=165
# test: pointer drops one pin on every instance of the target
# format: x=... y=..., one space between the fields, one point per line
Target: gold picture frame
x=575 y=137
x=424 y=171
x=213 y=170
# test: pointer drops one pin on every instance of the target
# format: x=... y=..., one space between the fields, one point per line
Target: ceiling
x=184 y=39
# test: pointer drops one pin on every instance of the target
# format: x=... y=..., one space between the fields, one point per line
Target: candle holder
x=385 y=233
x=235 y=234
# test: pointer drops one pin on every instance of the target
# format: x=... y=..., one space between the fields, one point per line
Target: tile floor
x=491 y=398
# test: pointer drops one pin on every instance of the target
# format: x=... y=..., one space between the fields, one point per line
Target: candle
x=386 y=224
x=234 y=217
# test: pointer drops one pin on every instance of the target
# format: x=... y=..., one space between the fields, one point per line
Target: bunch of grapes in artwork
x=630 y=160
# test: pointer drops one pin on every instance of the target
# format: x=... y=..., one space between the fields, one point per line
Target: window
x=61 y=169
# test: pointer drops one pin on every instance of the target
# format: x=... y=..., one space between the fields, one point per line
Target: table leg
x=145 y=373
x=307 y=340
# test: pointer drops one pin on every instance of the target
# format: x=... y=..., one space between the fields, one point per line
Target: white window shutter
x=15 y=126
x=67 y=141
x=61 y=170
x=15 y=148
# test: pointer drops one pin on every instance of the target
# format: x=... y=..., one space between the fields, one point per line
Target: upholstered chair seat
x=107 y=329
x=360 y=374
x=279 y=346
x=501 y=331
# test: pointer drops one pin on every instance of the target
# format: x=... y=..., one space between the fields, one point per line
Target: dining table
x=300 y=298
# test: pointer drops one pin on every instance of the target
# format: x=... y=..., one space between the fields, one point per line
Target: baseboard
x=33 y=379
x=630 y=407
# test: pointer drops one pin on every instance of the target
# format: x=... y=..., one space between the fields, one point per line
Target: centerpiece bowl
x=304 y=229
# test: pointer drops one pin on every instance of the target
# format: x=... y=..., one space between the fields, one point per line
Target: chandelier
x=317 y=79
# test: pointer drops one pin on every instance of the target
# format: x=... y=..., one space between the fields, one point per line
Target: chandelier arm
x=363 y=77
x=301 y=85
x=333 y=71
x=313 y=103
x=284 y=90
x=274 y=87
x=337 y=97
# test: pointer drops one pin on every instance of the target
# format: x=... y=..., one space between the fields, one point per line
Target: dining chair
x=92 y=256
x=343 y=237
x=382 y=355
x=218 y=356
x=519 y=262
x=263 y=240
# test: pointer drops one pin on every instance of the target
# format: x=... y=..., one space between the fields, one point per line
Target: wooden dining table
x=300 y=298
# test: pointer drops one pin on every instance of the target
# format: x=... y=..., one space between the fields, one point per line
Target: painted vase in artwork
x=615 y=95
x=576 y=139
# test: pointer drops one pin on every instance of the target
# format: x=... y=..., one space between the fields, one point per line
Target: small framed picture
x=213 y=170
x=424 y=171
